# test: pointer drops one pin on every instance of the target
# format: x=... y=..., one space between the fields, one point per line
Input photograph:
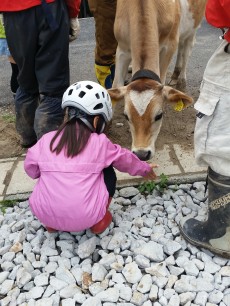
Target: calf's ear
x=117 y=94
x=176 y=98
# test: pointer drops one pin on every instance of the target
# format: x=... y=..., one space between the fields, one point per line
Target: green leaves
x=148 y=186
x=163 y=182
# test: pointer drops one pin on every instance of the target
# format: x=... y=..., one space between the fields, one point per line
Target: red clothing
x=73 y=7
x=218 y=15
x=19 y=5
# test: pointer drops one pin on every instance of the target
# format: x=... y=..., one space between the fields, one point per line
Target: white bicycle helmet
x=89 y=97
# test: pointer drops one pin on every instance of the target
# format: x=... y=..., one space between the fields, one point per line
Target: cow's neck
x=144 y=40
x=146 y=61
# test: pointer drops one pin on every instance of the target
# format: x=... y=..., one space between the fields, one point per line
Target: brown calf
x=148 y=34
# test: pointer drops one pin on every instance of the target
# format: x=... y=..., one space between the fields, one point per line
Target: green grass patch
x=148 y=186
x=4 y=204
x=9 y=118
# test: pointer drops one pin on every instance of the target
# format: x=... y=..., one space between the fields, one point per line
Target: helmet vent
x=89 y=86
x=98 y=106
x=97 y=96
x=103 y=94
x=70 y=92
x=81 y=94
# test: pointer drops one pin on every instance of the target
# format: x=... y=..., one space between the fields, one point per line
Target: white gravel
x=141 y=259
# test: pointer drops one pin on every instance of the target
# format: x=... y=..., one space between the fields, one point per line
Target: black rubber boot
x=214 y=234
x=25 y=107
x=49 y=115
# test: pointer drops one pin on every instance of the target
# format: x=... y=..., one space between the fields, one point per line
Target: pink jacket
x=70 y=193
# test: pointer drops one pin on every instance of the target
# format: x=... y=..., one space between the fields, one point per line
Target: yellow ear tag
x=179 y=106
x=113 y=102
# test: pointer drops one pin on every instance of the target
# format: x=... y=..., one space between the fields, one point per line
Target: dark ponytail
x=75 y=135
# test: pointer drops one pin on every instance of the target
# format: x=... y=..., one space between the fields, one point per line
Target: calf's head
x=143 y=107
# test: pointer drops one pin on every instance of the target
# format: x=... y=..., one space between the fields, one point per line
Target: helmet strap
x=100 y=124
x=88 y=124
x=102 y=128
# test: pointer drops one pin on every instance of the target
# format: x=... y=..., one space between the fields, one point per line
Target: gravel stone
x=141 y=259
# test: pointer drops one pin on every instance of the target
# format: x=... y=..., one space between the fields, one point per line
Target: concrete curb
x=172 y=180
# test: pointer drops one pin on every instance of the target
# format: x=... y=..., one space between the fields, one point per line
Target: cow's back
x=142 y=26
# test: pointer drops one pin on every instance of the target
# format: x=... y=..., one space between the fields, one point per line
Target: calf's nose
x=142 y=154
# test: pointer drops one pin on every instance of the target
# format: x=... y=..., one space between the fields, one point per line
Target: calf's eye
x=158 y=117
x=126 y=117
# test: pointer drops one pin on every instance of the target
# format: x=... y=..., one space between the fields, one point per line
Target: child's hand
x=151 y=175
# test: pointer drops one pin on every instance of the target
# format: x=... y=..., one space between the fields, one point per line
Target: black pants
x=110 y=180
x=42 y=56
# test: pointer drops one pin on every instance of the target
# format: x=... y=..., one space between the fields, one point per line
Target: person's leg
x=110 y=179
x=110 y=182
x=41 y=54
x=21 y=34
x=25 y=107
x=52 y=68
x=212 y=149
x=106 y=44
x=213 y=234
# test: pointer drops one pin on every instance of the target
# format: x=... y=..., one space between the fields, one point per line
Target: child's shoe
x=50 y=230
x=102 y=225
